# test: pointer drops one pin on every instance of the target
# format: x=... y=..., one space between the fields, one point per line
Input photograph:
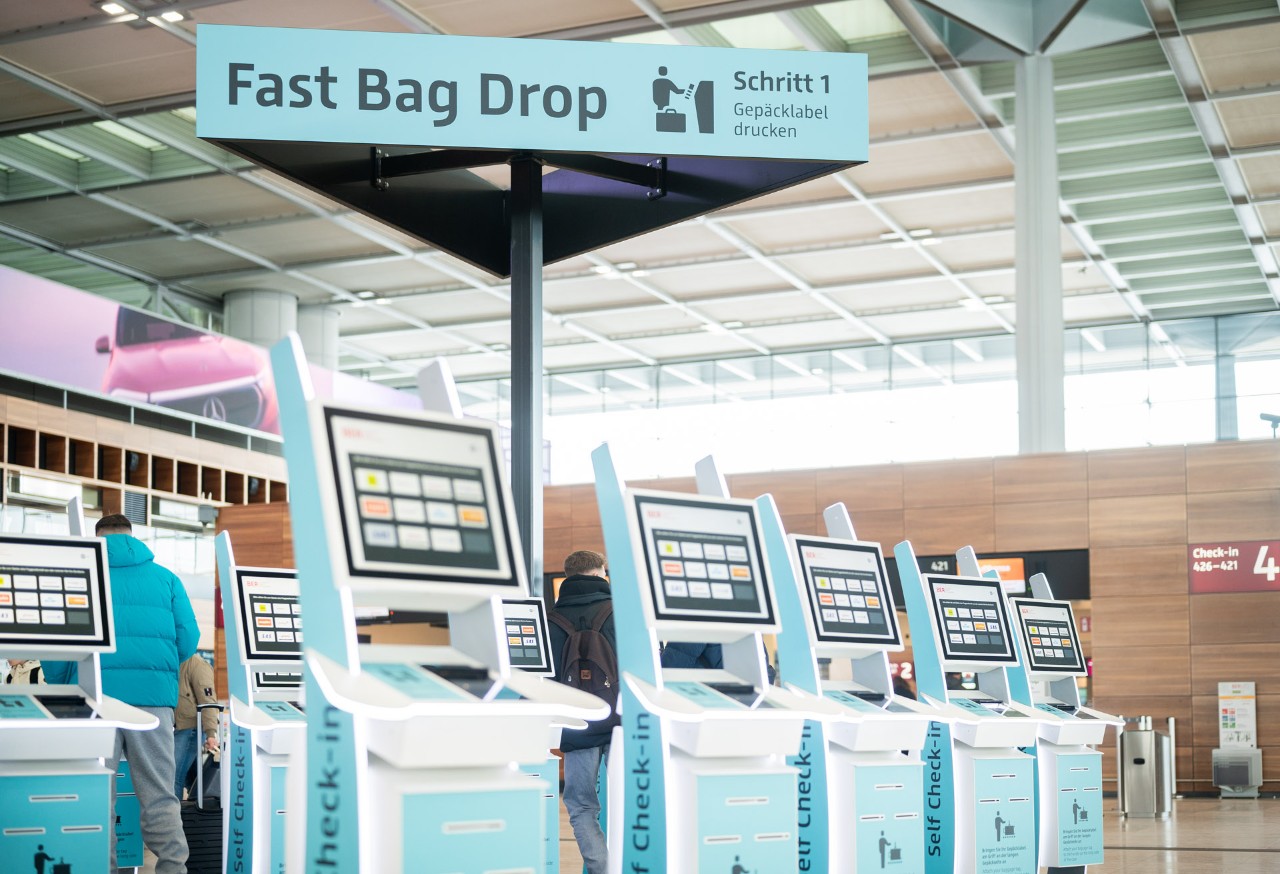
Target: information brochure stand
x=701 y=775
x=412 y=750
x=1069 y=770
x=263 y=620
x=980 y=788
x=524 y=622
x=55 y=793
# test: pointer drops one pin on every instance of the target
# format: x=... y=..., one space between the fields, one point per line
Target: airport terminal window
x=1129 y=384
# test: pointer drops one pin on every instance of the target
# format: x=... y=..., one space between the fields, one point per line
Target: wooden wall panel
x=556 y=544
x=1140 y=620
x=1056 y=476
x=1042 y=525
x=937 y=530
x=1137 y=570
x=1222 y=467
x=1152 y=471
x=584 y=510
x=557 y=507
x=1239 y=515
x=793 y=490
x=877 y=487
x=885 y=527
x=1138 y=520
x=1124 y=672
x=1228 y=619
x=804 y=523
x=1214 y=664
x=948 y=483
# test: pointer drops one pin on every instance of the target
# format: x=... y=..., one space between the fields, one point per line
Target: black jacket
x=581 y=595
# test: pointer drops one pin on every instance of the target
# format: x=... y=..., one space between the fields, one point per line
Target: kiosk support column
x=525 y=215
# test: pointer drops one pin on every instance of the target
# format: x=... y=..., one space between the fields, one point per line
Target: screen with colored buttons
x=1049 y=636
x=973 y=623
x=52 y=593
x=421 y=499
x=847 y=590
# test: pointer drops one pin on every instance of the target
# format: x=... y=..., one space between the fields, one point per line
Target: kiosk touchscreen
x=264 y=658
x=977 y=771
x=408 y=510
x=1070 y=770
x=702 y=782
x=55 y=605
x=528 y=638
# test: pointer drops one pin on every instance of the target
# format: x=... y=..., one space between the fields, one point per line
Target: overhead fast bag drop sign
x=266 y=83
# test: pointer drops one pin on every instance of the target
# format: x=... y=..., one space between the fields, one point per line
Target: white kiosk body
x=263 y=618
x=413 y=752
x=980 y=791
x=874 y=773
x=55 y=792
x=1070 y=770
x=700 y=778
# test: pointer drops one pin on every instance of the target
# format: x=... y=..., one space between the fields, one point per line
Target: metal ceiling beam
x=677 y=18
x=981 y=106
x=110 y=149
x=92 y=22
x=814 y=32
x=1177 y=50
x=622 y=310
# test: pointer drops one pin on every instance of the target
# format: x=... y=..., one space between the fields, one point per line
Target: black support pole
x=526 y=360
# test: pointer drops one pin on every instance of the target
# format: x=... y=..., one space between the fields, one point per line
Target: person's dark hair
x=584 y=561
x=116 y=523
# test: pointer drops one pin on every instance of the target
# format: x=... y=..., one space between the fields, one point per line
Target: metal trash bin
x=1146 y=771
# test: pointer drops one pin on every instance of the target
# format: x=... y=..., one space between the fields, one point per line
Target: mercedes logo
x=214 y=409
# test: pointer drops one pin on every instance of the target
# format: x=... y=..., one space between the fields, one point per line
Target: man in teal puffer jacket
x=155 y=632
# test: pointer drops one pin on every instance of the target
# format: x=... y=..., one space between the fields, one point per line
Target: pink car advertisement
x=77 y=340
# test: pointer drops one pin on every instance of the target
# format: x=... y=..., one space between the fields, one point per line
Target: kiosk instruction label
x=265 y=83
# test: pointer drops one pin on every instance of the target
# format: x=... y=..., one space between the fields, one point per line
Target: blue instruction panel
x=267 y=83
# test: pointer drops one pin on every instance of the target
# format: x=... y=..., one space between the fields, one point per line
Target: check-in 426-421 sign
x=1237 y=566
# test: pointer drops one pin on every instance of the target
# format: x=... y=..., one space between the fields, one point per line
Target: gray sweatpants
x=150 y=755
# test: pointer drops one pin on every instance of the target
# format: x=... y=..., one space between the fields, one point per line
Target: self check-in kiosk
x=413 y=751
x=263 y=618
x=55 y=793
x=701 y=780
x=874 y=806
x=1069 y=770
x=524 y=622
x=980 y=789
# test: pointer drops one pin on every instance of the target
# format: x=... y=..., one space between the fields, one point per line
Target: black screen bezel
x=944 y=643
x=1080 y=668
x=104 y=640
x=886 y=595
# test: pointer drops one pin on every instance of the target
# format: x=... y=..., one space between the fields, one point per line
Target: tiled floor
x=1203 y=836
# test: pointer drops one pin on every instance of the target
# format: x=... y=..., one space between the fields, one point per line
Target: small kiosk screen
x=848 y=594
x=1049 y=636
x=421 y=499
x=271 y=615
x=53 y=593
x=703 y=559
x=525 y=624
x=973 y=623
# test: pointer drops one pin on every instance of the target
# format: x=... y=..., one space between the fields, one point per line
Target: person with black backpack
x=585 y=645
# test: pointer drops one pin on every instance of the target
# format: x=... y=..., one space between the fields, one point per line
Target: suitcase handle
x=200 y=767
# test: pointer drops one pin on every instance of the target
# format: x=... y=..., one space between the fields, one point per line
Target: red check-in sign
x=1236 y=566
